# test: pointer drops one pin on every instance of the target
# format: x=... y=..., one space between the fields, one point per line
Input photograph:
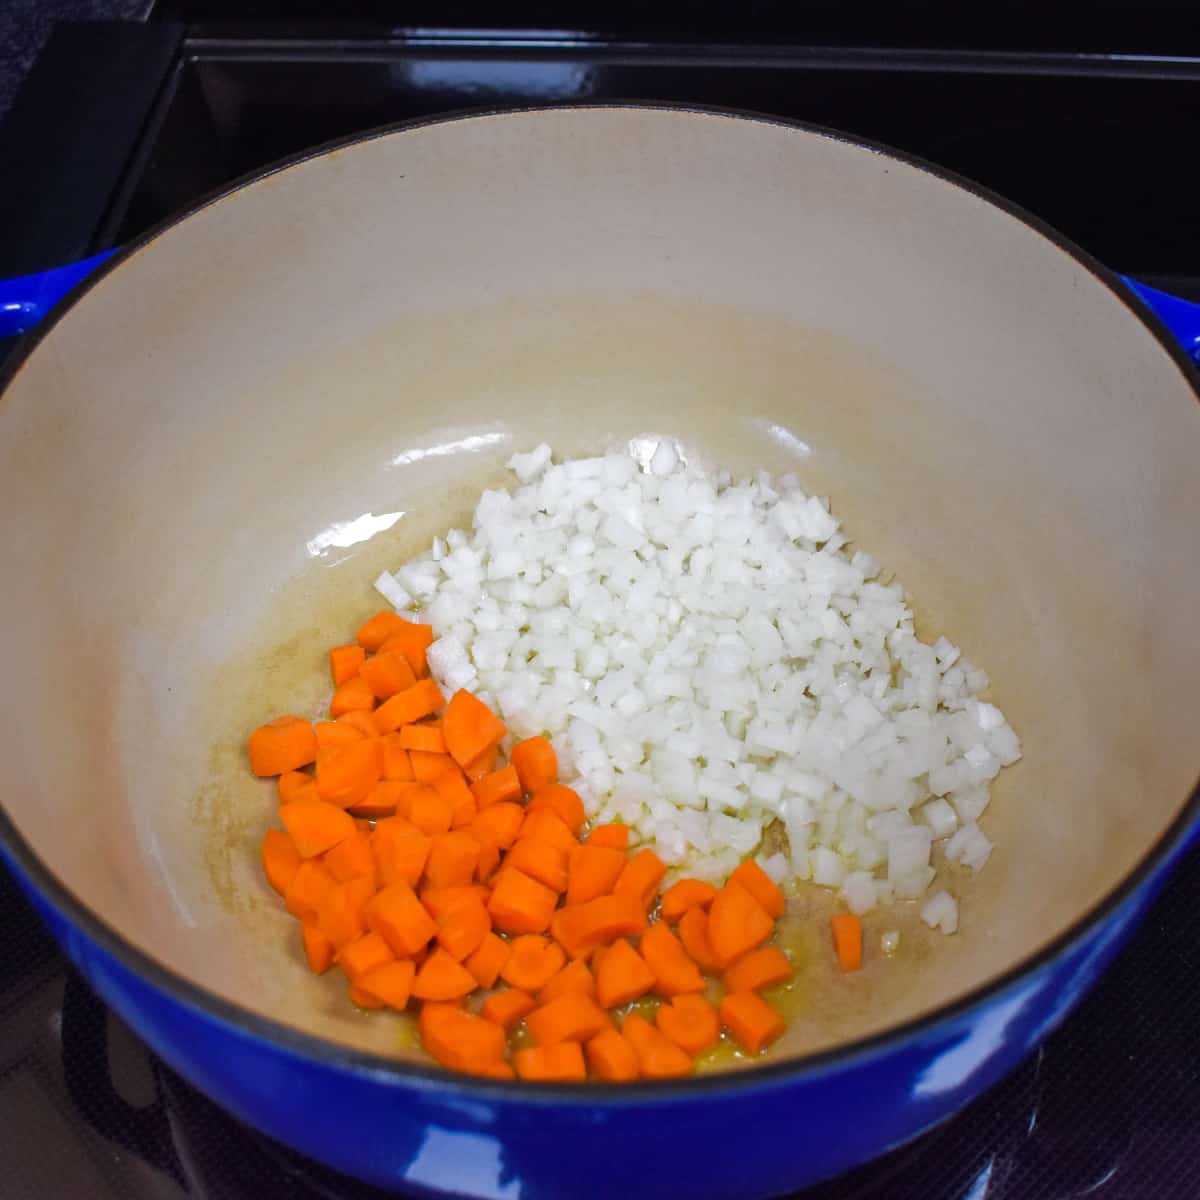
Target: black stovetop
x=122 y=125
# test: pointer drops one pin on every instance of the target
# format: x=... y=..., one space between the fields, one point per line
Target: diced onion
x=940 y=911
x=711 y=657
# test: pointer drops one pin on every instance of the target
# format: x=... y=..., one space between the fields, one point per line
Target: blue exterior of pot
x=756 y=1133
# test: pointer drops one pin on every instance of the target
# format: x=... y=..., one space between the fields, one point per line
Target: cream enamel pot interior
x=374 y=330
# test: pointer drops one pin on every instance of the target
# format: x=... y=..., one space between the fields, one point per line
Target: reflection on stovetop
x=1105 y=1109
x=1094 y=151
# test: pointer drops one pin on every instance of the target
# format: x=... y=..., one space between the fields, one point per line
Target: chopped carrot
x=351 y=858
x=420 y=700
x=761 y=886
x=848 y=940
x=547 y=825
x=373 y=633
x=559 y=1063
x=284 y=744
x=427 y=765
x=452 y=860
x=565 y=801
x=400 y=919
x=347 y=774
x=482 y=764
x=315 y=828
x=488 y=960
x=519 y=904
x=536 y=764
x=452 y=788
x=363 y=955
x=593 y=871
x=614 y=836
x=386 y=674
x=693 y=933
x=574 y=977
x=497 y=787
x=499 y=823
x=361 y=889
x=400 y=852
x=332 y=735
x=412 y=640
x=428 y=811
x=572 y=854
x=360 y=719
x=304 y=793
x=396 y=764
x=751 y=1020
x=307 y=889
x=539 y=860
x=687 y=893
x=690 y=1022
x=641 y=877
x=497 y=1069
x=489 y=860
x=364 y=999
x=612 y=1057
x=507 y=1007
x=428 y=738
x=318 y=949
x=353 y=694
x=440 y=903
x=579 y=928
x=383 y=800
x=281 y=860
x=403 y=791
x=340 y=913
x=570 y=1018
x=757 y=970
x=532 y=962
x=658 y=1057
x=392 y=983
x=291 y=784
x=464 y=929
x=674 y=972
x=441 y=978
x=736 y=923
x=344 y=662
x=470 y=727
x=621 y=975
x=460 y=1040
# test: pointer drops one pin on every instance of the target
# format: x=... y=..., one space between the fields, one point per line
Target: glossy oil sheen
x=373 y=332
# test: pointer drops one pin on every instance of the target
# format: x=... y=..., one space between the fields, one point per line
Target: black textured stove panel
x=1108 y=1108
x=1097 y=146
x=1126 y=26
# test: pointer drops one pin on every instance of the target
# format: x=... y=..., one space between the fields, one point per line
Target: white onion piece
x=940 y=911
